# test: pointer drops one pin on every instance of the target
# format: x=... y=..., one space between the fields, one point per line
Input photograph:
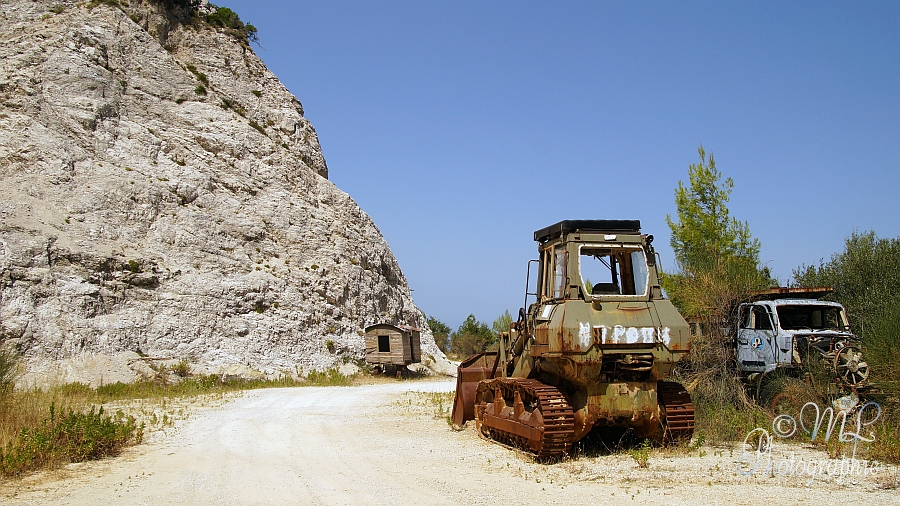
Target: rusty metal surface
x=783 y=292
x=469 y=373
x=631 y=405
x=526 y=414
x=679 y=410
x=588 y=358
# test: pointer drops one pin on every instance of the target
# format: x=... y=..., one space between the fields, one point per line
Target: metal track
x=679 y=409
x=547 y=435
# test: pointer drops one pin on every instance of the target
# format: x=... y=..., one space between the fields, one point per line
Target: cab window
x=613 y=270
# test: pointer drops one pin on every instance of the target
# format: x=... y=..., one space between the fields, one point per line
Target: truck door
x=783 y=345
x=755 y=339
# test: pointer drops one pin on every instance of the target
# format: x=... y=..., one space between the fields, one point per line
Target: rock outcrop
x=162 y=195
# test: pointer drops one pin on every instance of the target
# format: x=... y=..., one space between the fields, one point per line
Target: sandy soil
x=390 y=443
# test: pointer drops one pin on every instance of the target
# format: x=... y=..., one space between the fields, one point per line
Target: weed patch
x=329 y=378
x=886 y=447
x=72 y=437
x=724 y=422
x=641 y=454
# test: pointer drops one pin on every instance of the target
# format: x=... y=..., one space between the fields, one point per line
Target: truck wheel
x=850 y=367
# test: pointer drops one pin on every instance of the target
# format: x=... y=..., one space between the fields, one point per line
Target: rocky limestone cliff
x=162 y=195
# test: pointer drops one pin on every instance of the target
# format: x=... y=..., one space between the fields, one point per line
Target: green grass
x=721 y=423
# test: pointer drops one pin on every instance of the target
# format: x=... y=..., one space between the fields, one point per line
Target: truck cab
x=786 y=327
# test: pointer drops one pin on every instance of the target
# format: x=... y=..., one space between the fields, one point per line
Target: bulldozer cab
x=595 y=259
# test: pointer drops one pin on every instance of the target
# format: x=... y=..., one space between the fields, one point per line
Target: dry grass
x=886 y=447
x=41 y=429
x=709 y=372
x=21 y=410
x=37 y=425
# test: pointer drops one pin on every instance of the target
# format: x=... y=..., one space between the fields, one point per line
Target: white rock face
x=162 y=194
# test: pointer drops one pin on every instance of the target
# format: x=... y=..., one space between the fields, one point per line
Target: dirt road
x=390 y=443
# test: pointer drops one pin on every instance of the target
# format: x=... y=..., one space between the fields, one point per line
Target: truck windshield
x=609 y=270
x=811 y=317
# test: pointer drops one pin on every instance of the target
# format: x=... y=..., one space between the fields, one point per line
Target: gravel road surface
x=390 y=443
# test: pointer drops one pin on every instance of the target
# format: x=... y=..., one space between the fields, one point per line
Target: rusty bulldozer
x=594 y=349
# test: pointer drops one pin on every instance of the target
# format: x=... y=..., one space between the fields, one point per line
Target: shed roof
x=403 y=328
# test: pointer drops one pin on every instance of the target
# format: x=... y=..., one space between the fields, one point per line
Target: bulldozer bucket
x=469 y=373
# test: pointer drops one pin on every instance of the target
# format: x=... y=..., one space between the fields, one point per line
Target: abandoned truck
x=594 y=349
x=780 y=330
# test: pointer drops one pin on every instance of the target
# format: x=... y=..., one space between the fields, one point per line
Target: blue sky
x=462 y=127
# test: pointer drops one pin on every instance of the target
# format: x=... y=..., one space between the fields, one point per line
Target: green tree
x=472 y=337
x=705 y=231
x=865 y=276
x=716 y=257
x=502 y=323
x=717 y=265
x=866 y=280
x=441 y=332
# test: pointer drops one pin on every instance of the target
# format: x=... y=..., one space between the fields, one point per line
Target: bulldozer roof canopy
x=587 y=226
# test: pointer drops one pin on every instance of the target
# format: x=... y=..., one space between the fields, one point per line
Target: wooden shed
x=392 y=345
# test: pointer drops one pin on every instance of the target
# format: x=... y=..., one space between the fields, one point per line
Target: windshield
x=811 y=317
x=611 y=270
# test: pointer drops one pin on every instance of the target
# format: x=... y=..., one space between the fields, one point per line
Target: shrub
x=886 y=446
x=182 y=369
x=641 y=454
x=880 y=347
x=199 y=75
x=440 y=331
x=226 y=18
x=725 y=422
x=865 y=277
x=472 y=337
x=73 y=437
